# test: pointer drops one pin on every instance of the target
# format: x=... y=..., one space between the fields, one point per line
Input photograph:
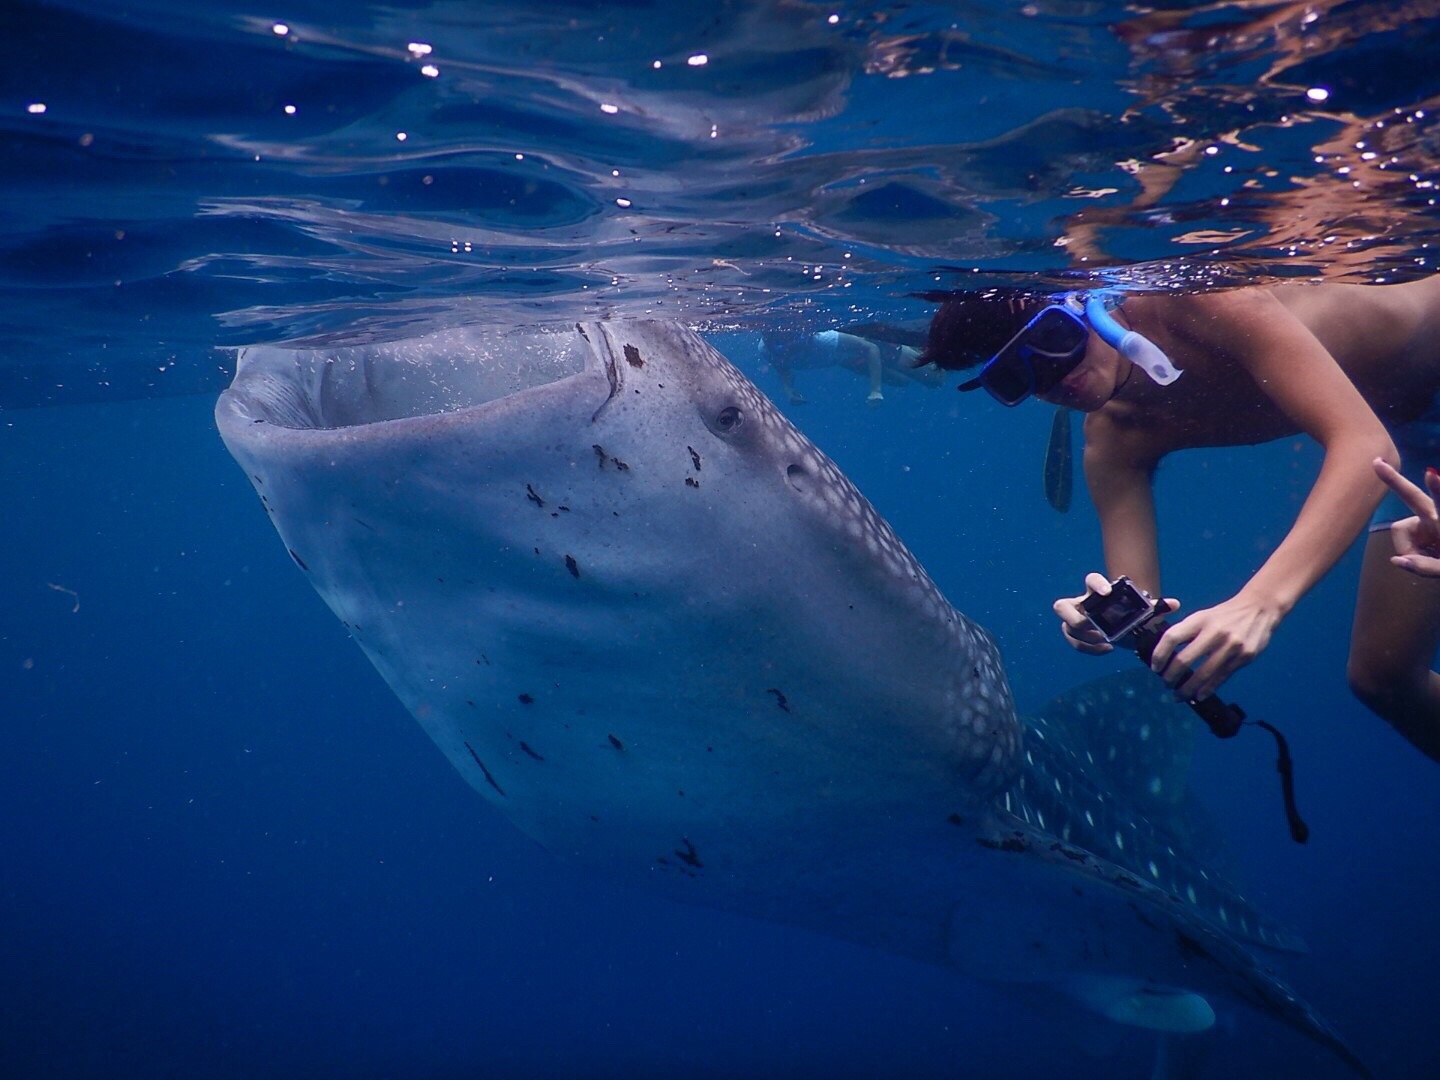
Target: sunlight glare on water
x=218 y=174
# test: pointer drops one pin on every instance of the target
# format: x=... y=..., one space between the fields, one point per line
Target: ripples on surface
x=754 y=163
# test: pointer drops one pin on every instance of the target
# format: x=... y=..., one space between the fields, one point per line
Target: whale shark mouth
x=443 y=372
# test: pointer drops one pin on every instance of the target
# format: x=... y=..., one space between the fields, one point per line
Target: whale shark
x=658 y=629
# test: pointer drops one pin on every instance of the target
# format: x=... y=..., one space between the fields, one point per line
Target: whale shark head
x=602 y=564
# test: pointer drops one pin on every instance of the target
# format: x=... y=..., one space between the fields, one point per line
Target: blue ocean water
x=227 y=850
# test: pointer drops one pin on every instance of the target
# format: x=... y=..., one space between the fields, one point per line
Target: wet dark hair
x=971 y=327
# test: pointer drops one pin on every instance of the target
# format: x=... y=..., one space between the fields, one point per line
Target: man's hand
x=1213 y=644
x=1079 y=631
x=1416 y=539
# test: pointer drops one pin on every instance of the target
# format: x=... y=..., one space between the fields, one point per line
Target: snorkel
x=1138 y=349
x=1052 y=344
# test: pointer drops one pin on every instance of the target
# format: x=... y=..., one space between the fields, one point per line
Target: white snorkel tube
x=1138 y=349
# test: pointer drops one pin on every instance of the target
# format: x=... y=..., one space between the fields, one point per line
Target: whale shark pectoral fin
x=1138 y=1003
x=1049 y=912
x=1108 y=765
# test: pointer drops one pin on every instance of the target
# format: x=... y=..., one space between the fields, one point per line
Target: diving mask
x=1051 y=345
x=1047 y=348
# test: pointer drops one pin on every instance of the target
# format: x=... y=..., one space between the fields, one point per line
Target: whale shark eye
x=728 y=420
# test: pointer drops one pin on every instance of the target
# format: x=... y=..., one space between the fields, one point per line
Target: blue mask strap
x=1138 y=349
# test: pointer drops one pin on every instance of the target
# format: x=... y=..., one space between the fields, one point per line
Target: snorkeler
x=1337 y=362
x=881 y=362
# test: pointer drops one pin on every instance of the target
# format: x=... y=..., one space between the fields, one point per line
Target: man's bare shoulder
x=1386 y=338
x=1124 y=437
x=1204 y=316
x=1258 y=359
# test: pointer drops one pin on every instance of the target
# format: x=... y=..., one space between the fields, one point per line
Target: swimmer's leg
x=853 y=352
x=787 y=383
x=893 y=370
x=876 y=370
x=1392 y=644
x=900 y=369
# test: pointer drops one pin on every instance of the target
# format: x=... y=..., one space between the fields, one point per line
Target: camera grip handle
x=1223 y=719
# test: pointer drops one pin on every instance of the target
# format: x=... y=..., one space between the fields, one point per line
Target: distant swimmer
x=1356 y=367
x=881 y=363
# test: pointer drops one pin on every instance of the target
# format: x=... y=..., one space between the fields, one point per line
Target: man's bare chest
x=1206 y=417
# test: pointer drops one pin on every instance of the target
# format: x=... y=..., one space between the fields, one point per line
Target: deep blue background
x=227 y=851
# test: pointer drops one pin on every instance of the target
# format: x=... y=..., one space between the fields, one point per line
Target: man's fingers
x=1080 y=634
x=1416 y=499
x=1405 y=538
x=1068 y=607
x=1415 y=536
x=1423 y=565
x=1218 y=666
x=1202 y=683
x=1172 y=640
x=1194 y=661
x=1094 y=646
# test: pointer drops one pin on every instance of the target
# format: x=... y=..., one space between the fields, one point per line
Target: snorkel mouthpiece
x=1138 y=349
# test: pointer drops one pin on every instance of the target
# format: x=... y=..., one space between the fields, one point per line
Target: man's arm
x=1121 y=487
x=1120 y=482
x=1257 y=333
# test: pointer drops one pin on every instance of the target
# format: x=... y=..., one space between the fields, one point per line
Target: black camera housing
x=1120 y=612
x=1131 y=617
